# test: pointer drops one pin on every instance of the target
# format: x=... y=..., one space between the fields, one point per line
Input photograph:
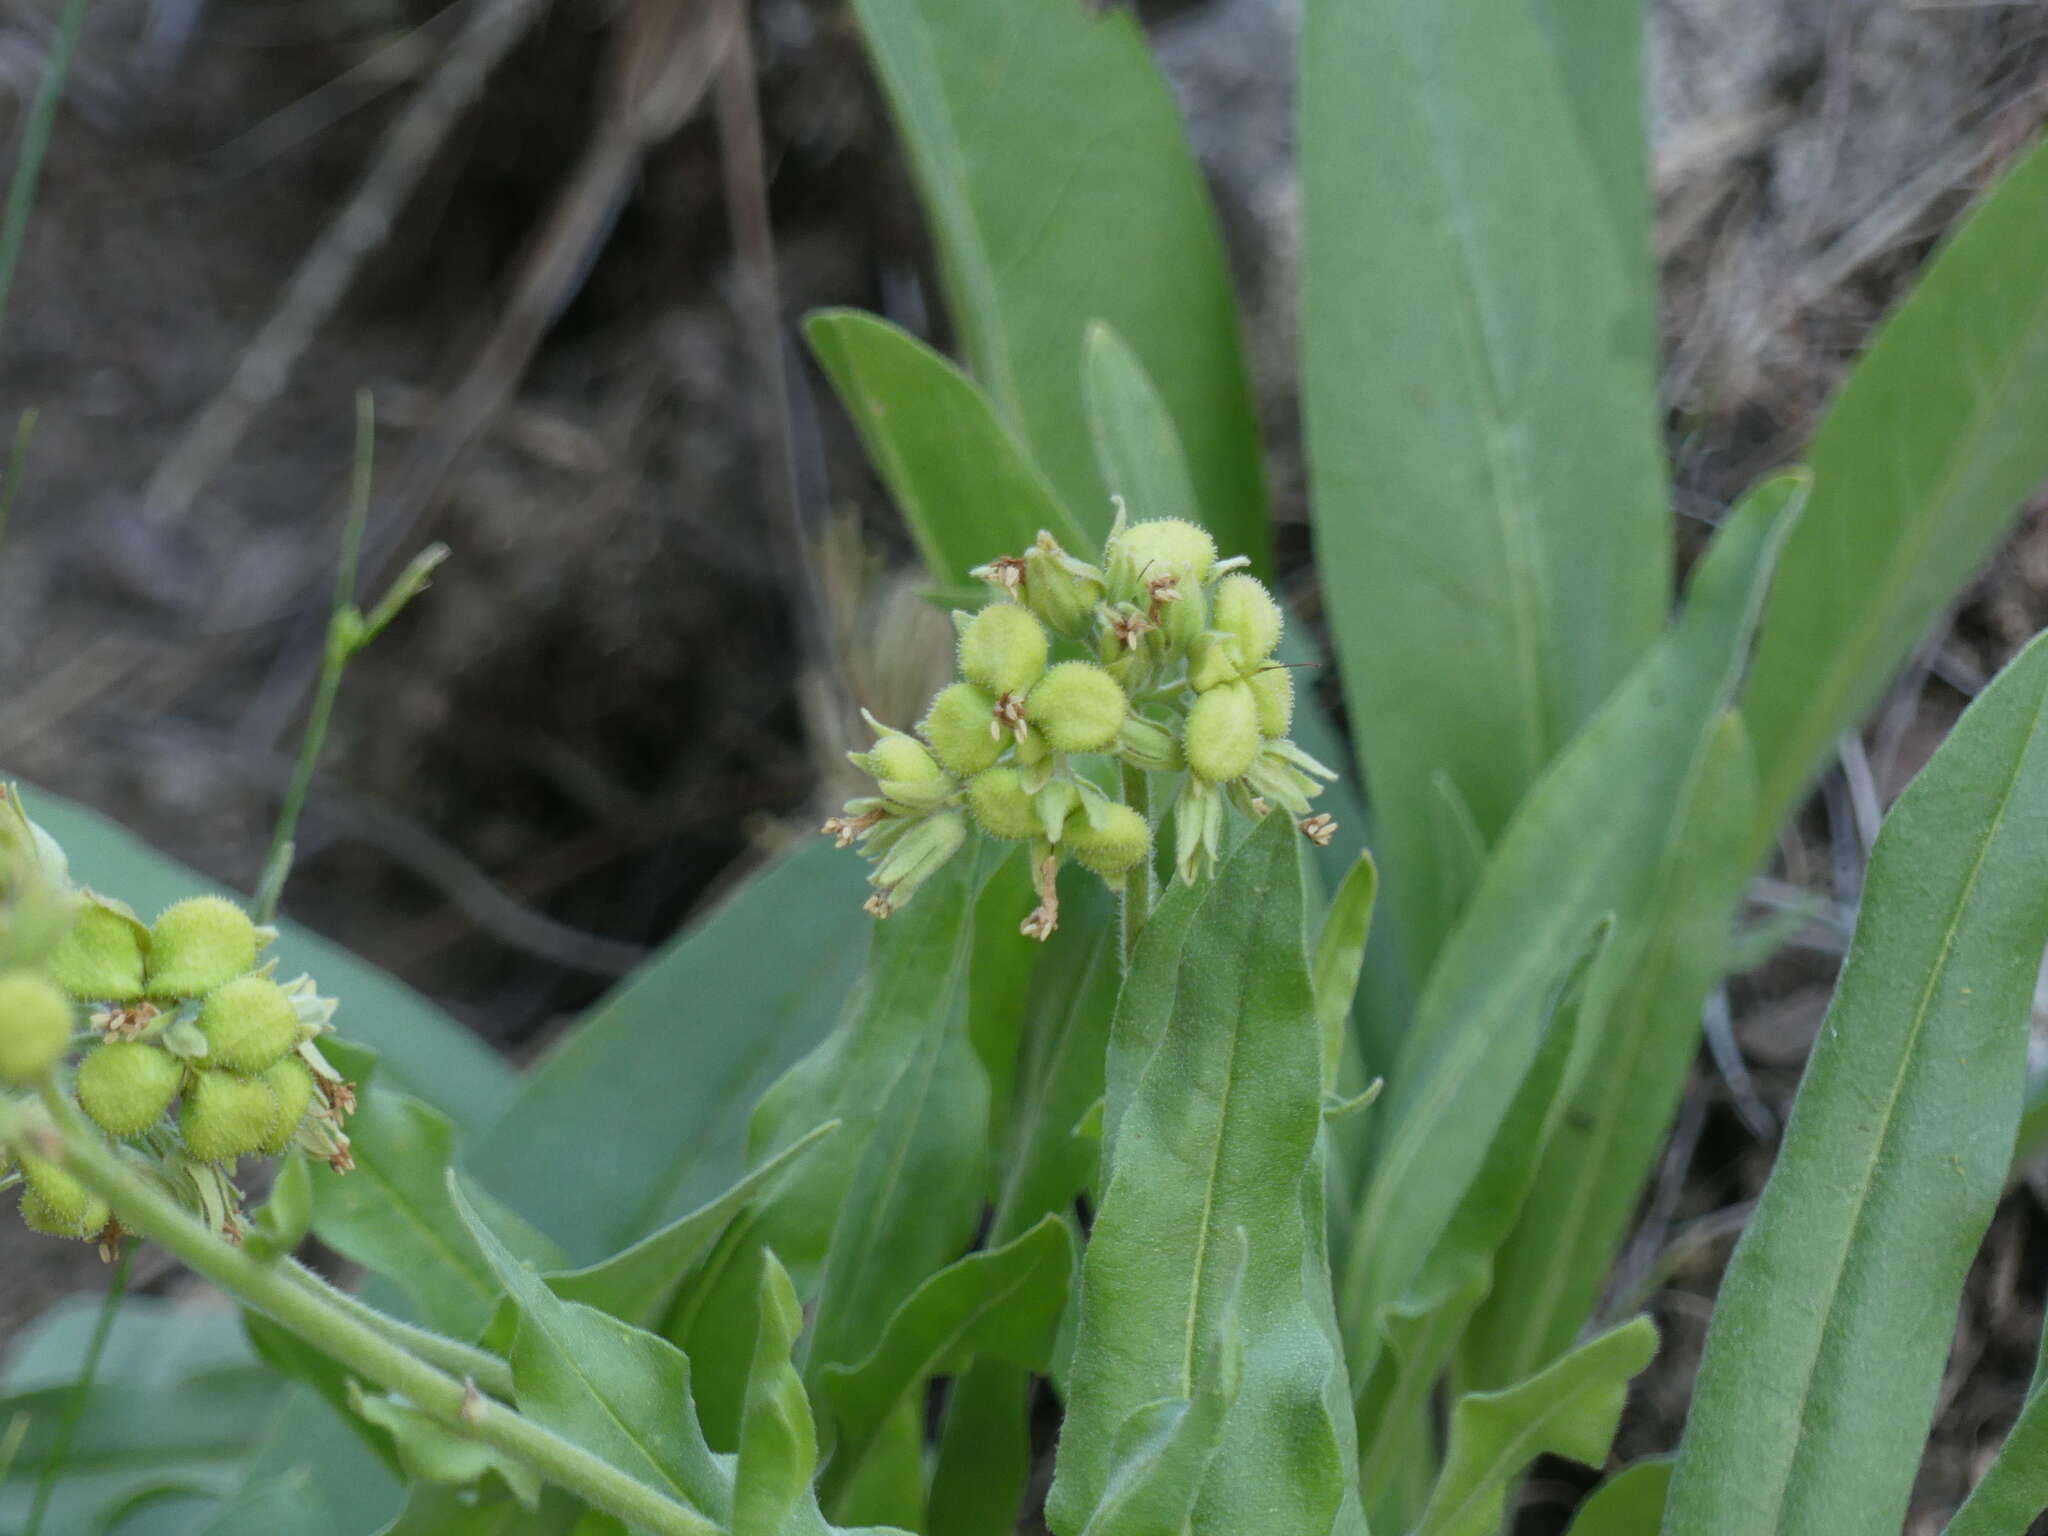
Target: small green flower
x=291 y=1081
x=56 y=1204
x=225 y=1116
x=197 y=944
x=1001 y=805
x=101 y=958
x=126 y=1085
x=1244 y=610
x=909 y=777
x=1110 y=841
x=35 y=1026
x=962 y=728
x=1222 y=734
x=1077 y=706
x=913 y=859
x=1003 y=649
x=1273 y=691
x=249 y=1024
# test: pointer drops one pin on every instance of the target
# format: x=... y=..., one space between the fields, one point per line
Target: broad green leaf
x=778 y=1440
x=307 y=1440
x=1480 y=401
x=1586 y=845
x=967 y=489
x=1571 y=1408
x=430 y=1452
x=392 y=1214
x=671 y=1063
x=984 y=1461
x=1340 y=956
x=1001 y=973
x=638 y=1285
x=1144 y=1007
x=1605 y=1148
x=423 y=1050
x=1221 y=1134
x=1630 y=1503
x=1919 y=468
x=1137 y=449
x=289 y=1505
x=1060 y=190
x=1004 y=1303
x=2013 y=1491
x=617 y=1391
x=1836 y=1313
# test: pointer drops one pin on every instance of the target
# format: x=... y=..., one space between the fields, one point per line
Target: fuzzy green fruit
x=1110 y=844
x=126 y=1086
x=1003 y=649
x=1001 y=805
x=197 y=944
x=56 y=1204
x=1221 y=737
x=291 y=1080
x=35 y=1026
x=1077 y=706
x=1245 y=610
x=100 y=959
x=1166 y=546
x=958 y=728
x=1273 y=692
x=225 y=1116
x=249 y=1024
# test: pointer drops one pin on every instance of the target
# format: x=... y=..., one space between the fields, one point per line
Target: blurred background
x=567 y=252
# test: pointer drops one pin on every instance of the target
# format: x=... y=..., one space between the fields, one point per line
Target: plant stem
x=149 y=1211
x=74 y=1403
x=35 y=143
x=1138 y=883
x=488 y=1371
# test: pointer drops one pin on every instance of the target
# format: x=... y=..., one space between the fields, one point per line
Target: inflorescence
x=1159 y=661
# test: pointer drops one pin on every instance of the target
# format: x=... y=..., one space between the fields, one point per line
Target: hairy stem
x=488 y=1371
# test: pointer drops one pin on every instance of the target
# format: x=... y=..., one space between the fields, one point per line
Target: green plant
x=706 y=1266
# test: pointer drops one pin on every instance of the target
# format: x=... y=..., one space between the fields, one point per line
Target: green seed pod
x=35 y=1026
x=1221 y=737
x=127 y=1085
x=197 y=944
x=1003 y=648
x=1002 y=806
x=57 y=1205
x=1183 y=617
x=1211 y=663
x=914 y=858
x=1150 y=746
x=1166 y=545
x=1061 y=590
x=1111 y=843
x=1245 y=610
x=100 y=959
x=1077 y=706
x=291 y=1080
x=958 y=728
x=224 y=1116
x=909 y=777
x=1273 y=691
x=249 y=1023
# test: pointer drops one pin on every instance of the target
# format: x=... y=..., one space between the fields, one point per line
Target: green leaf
x=423 y=1050
x=671 y=1063
x=1605 y=1148
x=638 y=1285
x=967 y=489
x=1003 y=1303
x=392 y=1214
x=1340 y=957
x=428 y=1452
x=617 y=1391
x=1630 y=1503
x=1571 y=1408
x=2013 y=1492
x=1137 y=449
x=1481 y=409
x=984 y=1460
x=1222 y=1133
x=278 y=1506
x=778 y=1440
x=1060 y=191
x=1836 y=1313
x=1587 y=845
x=1919 y=468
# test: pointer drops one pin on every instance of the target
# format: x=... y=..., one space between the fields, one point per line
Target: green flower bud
x=1002 y=806
x=1211 y=663
x=1147 y=745
x=906 y=773
x=101 y=958
x=913 y=859
x=197 y=944
x=1273 y=691
x=225 y=1116
x=35 y=1026
x=291 y=1080
x=1166 y=545
x=1061 y=590
x=1077 y=706
x=57 y=1205
x=1055 y=801
x=127 y=1085
x=1110 y=842
x=1183 y=613
x=249 y=1024
x=1002 y=649
x=961 y=727
x=1221 y=737
x=1198 y=828
x=1245 y=610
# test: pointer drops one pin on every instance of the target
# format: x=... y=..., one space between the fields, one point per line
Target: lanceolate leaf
x=1630 y=1503
x=1340 y=957
x=1835 y=1315
x=1136 y=447
x=778 y=1439
x=1586 y=845
x=1480 y=403
x=966 y=488
x=1061 y=191
x=1921 y=465
x=1571 y=1409
x=2014 y=1490
x=1222 y=1134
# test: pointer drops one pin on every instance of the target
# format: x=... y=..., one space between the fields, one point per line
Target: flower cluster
x=1158 y=661
x=194 y=1054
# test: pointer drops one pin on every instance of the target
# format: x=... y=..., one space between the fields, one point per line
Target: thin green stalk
x=1138 y=883
x=488 y=1371
x=74 y=1403
x=150 y=1212
x=35 y=144
x=17 y=462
